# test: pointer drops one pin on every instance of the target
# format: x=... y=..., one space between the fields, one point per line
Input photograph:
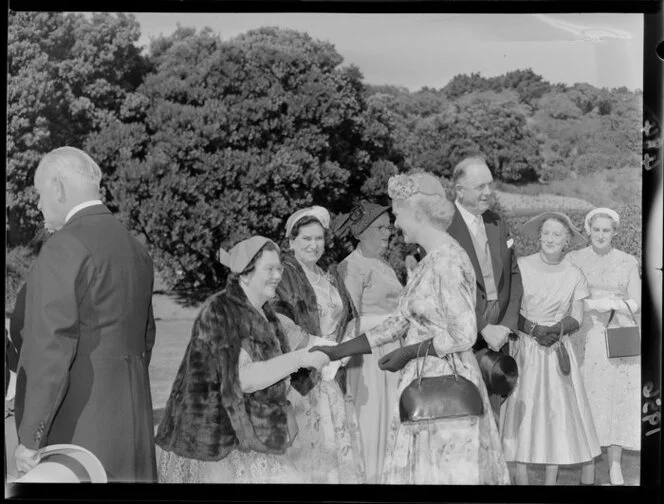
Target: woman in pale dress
x=228 y=419
x=435 y=315
x=547 y=418
x=374 y=289
x=328 y=445
x=613 y=385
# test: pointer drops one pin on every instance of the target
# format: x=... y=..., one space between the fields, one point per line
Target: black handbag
x=622 y=341
x=431 y=398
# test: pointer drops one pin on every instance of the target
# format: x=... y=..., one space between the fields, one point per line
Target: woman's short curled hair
x=439 y=209
x=251 y=267
x=568 y=231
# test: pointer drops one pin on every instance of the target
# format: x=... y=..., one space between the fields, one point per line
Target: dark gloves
x=359 y=345
x=548 y=335
x=397 y=359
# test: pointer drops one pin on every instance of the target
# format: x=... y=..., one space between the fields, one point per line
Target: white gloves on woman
x=608 y=304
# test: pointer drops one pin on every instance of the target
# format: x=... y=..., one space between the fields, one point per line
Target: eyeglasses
x=488 y=185
x=382 y=229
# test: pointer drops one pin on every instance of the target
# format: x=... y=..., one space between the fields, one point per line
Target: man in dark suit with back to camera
x=89 y=329
x=485 y=238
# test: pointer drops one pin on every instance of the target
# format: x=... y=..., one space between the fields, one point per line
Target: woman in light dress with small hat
x=547 y=418
x=613 y=385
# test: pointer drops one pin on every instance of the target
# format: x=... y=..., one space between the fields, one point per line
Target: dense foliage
x=67 y=75
x=205 y=141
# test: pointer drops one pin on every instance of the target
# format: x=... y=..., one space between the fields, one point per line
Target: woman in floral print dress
x=435 y=314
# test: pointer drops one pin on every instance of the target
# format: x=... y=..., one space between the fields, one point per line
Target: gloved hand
x=548 y=339
x=601 y=304
x=621 y=305
x=330 y=371
x=397 y=359
x=359 y=345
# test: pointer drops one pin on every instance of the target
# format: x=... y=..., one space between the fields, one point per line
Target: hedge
x=628 y=239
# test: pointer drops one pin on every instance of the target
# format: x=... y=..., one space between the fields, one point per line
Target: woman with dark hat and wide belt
x=547 y=419
x=374 y=289
x=316 y=300
x=228 y=419
x=445 y=433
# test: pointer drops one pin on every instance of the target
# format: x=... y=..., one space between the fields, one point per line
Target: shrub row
x=628 y=239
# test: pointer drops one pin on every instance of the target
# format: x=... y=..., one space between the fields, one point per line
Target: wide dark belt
x=526 y=325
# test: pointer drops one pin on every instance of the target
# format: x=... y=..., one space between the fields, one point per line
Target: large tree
x=230 y=140
x=68 y=74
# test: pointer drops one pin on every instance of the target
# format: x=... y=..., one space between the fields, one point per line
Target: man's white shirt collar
x=471 y=220
x=80 y=207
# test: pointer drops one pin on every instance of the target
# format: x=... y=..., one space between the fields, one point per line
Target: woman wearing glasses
x=374 y=289
x=328 y=444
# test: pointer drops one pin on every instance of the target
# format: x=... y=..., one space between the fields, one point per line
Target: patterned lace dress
x=613 y=385
x=438 y=302
x=328 y=447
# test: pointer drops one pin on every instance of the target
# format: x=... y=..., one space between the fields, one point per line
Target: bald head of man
x=65 y=178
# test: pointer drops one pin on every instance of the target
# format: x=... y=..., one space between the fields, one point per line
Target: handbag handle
x=613 y=312
x=421 y=371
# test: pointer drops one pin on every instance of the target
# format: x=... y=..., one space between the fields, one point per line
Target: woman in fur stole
x=329 y=445
x=228 y=419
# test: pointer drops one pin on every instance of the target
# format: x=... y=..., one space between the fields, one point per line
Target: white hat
x=239 y=257
x=613 y=215
x=65 y=463
x=315 y=211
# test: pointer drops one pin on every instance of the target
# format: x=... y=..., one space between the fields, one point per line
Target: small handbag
x=431 y=398
x=622 y=341
x=563 y=356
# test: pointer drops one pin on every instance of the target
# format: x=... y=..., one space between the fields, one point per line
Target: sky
x=417 y=50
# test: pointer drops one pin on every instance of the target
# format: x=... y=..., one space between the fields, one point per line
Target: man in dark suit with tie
x=89 y=330
x=486 y=239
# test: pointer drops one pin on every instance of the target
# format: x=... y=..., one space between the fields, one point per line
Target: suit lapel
x=493 y=237
x=460 y=231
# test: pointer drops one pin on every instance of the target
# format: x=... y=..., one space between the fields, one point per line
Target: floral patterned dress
x=438 y=302
x=613 y=385
x=328 y=447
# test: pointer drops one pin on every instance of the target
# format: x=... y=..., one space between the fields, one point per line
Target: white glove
x=330 y=371
x=318 y=341
x=619 y=305
x=600 y=305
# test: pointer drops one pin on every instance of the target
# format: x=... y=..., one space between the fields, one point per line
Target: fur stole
x=207 y=414
x=296 y=299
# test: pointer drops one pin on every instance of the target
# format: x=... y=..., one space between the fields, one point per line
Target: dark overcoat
x=87 y=341
x=505 y=269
